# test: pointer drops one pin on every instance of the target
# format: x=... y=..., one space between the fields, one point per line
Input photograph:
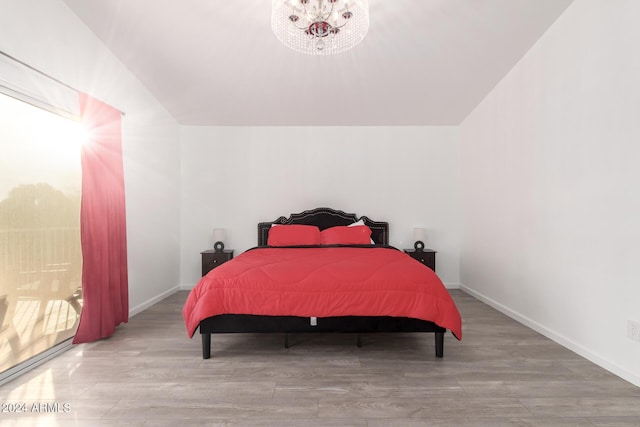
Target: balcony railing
x=40 y=290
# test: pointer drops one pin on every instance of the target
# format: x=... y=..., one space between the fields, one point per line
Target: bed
x=321 y=270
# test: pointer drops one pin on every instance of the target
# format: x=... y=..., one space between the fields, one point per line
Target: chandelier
x=320 y=27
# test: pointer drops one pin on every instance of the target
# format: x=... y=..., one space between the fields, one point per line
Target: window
x=40 y=252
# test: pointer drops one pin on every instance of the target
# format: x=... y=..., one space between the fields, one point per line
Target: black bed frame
x=323 y=218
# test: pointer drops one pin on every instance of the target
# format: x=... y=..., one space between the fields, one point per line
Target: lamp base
x=418 y=245
x=218 y=246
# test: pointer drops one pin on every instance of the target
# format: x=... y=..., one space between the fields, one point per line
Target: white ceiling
x=217 y=62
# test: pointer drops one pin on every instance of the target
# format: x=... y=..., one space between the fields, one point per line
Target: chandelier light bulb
x=320 y=27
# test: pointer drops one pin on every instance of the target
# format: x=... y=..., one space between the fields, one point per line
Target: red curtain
x=102 y=224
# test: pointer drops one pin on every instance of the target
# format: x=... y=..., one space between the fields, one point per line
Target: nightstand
x=426 y=256
x=211 y=259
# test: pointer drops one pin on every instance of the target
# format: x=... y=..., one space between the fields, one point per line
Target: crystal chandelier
x=320 y=27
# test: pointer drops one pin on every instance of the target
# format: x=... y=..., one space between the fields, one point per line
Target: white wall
x=550 y=199
x=49 y=37
x=235 y=177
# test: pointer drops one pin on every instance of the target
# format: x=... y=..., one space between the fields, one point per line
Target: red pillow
x=343 y=235
x=293 y=235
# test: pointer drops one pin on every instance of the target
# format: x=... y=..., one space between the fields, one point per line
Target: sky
x=38 y=146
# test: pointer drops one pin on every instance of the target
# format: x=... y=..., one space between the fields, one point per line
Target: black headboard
x=325 y=218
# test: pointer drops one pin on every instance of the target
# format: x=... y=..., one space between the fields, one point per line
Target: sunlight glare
x=50 y=142
x=61 y=137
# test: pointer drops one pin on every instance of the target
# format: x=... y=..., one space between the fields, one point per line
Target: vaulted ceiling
x=217 y=62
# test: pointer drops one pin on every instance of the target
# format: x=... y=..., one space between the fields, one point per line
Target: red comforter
x=323 y=282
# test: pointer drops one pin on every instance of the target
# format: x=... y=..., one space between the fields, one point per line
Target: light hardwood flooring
x=151 y=374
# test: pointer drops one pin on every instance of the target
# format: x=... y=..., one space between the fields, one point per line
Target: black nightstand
x=426 y=256
x=211 y=259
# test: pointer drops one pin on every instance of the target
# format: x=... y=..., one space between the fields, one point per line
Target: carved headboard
x=325 y=218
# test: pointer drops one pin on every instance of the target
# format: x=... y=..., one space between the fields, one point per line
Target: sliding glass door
x=40 y=253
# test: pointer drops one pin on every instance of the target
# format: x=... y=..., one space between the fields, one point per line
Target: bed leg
x=439 y=344
x=206 y=346
x=286 y=340
x=358 y=340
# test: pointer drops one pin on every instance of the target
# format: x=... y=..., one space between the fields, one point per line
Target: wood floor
x=151 y=374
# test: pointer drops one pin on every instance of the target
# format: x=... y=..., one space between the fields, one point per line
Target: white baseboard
x=603 y=362
x=142 y=307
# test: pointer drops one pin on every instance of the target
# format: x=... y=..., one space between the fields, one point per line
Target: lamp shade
x=419 y=234
x=219 y=234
